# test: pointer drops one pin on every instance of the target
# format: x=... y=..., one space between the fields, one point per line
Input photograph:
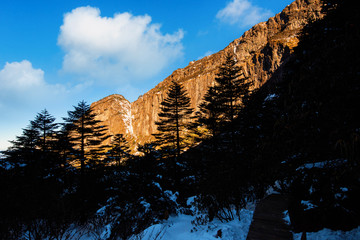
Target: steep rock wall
x=115 y=112
x=260 y=51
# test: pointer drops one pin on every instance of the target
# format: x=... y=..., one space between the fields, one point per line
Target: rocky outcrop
x=260 y=51
x=115 y=112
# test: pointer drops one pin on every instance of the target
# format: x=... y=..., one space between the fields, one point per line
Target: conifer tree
x=86 y=133
x=23 y=149
x=44 y=124
x=33 y=149
x=175 y=113
x=230 y=88
x=209 y=114
x=27 y=140
x=223 y=102
x=63 y=145
x=34 y=138
x=119 y=149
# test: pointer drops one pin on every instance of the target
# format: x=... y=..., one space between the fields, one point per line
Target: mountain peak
x=115 y=112
x=260 y=51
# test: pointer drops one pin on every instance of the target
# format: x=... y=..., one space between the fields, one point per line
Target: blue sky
x=56 y=53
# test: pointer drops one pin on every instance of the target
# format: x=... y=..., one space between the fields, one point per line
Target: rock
x=115 y=112
x=260 y=51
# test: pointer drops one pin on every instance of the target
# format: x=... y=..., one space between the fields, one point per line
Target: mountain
x=116 y=113
x=260 y=51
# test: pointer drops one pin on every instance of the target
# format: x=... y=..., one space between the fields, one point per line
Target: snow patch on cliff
x=127 y=116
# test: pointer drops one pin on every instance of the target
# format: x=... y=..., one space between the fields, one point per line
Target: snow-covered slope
x=181 y=228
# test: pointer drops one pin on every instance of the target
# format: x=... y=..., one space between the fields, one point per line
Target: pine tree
x=120 y=150
x=223 y=102
x=24 y=148
x=30 y=147
x=62 y=145
x=221 y=105
x=44 y=124
x=209 y=114
x=33 y=149
x=28 y=140
x=86 y=133
x=230 y=88
x=175 y=113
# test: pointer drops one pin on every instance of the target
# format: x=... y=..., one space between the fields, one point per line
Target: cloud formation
x=24 y=92
x=21 y=75
x=23 y=84
x=115 y=49
x=243 y=13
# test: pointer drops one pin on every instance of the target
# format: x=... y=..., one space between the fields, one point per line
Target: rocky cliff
x=260 y=51
x=115 y=112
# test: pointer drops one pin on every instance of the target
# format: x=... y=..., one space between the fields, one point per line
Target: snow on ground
x=322 y=164
x=327 y=234
x=286 y=217
x=308 y=205
x=180 y=228
x=270 y=97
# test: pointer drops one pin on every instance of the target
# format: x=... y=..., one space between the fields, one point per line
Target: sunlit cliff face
x=260 y=52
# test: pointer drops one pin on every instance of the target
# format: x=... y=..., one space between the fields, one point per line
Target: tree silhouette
x=23 y=150
x=223 y=102
x=210 y=114
x=230 y=88
x=44 y=124
x=119 y=149
x=31 y=147
x=27 y=140
x=86 y=133
x=175 y=113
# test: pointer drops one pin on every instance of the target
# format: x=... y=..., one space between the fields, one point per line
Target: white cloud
x=21 y=75
x=243 y=13
x=115 y=49
x=21 y=82
x=23 y=88
x=23 y=93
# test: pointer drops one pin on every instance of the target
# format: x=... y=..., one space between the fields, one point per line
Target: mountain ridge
x=260 y=51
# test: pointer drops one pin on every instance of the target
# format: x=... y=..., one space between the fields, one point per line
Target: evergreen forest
x=299 y=135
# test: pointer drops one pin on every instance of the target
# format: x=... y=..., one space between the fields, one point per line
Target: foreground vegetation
x=300 y=135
